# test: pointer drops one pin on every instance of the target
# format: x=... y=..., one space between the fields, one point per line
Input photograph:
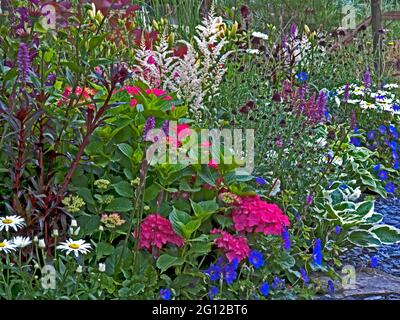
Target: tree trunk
x=376 y=21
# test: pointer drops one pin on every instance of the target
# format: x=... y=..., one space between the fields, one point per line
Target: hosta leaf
x=387 y=234
x=364 y=238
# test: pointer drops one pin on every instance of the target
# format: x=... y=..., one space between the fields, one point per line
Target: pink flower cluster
x=157 y=231
x=235 y=247
x=252 y=214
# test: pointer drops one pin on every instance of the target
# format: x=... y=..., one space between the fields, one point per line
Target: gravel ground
x=388 y=256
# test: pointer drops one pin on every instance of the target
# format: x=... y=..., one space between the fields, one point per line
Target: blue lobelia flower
x=338 y=229
x=302 y=76
x=382 y=129
x=390 y=187
x=355 y=141
x=317 y=252
x=304 y=275
x=396 y=165
x=393 y=145
x=374 y=262
x=396 y=107
x=395 y=155
x=377 y=167
x=264 y=289
x=213 y=292
x=392 y=129
x=383 y=175
x=343 y=186
x=278 y=283
x=286 y=239
x=260 y=181
x=214 y=272
x=331 y=287
x=230 y=274
x=165 y=294
x=371 y=135
x=256 y=259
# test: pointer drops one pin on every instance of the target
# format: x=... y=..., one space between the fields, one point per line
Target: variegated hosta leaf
x=364 y=238
x=365 y=209
x=387 y=234
x=375 y=218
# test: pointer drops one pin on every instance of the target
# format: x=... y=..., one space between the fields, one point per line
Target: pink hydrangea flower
x=235 y=247
x=156 y=231
x=133 y=103
x=156 y=92
x=252 y=214
x=132 y=90
x=213 y=164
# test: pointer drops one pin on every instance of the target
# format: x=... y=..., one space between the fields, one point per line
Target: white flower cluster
x=195 y=76
x=367 y=99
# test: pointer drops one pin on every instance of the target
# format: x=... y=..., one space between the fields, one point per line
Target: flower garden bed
x=228 y=160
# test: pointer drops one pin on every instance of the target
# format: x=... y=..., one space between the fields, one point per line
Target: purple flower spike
x=24 y=61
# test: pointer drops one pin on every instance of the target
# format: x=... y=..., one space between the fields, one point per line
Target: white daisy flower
x=6 y=246
x=21 y=242
x=78 y=246
x=14 y=222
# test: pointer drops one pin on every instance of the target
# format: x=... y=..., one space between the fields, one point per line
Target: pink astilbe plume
x=235 y=247
x=156 y=231
x=252 y=214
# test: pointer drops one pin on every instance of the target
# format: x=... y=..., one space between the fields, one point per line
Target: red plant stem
x=20 y=162
x=41 y=157
x=90 y=129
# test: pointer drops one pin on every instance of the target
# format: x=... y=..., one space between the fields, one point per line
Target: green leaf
x=365 y=209
x=375 y=218
x=89 y=224
x=364 y=238
x=126 y=149
x=387 y=234
x=178 y=220
x=190 y=227
x=151 y=192
x=96 y=41
x=165 y=261
x=204 y=209
x=337 y=196
x=48 y=55
x=72 y=65
x=223 y=221
x=120 y=205
x=208 y=177
x=200 y=248
x=123 y=188
x=11 y=74
x=86 y=195
x=104 y=249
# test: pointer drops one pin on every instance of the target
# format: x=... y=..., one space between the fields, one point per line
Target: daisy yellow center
x=2 y=244
x=7 y=221
x=74 y=246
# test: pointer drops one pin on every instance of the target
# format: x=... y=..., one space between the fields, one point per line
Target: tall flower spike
x=149 y=125
x=24 y=61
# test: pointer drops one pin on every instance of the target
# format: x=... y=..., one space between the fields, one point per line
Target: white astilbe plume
x=186 y=80
x=195 y=77
x=154 y=67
